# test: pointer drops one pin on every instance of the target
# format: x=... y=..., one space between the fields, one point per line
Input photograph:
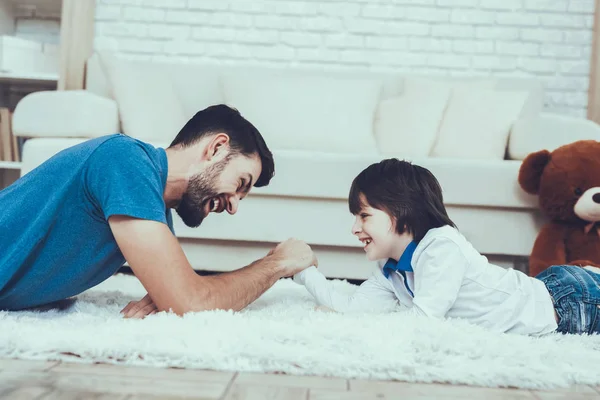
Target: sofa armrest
x=547 y=132
x=71 y=113
x=38 y=150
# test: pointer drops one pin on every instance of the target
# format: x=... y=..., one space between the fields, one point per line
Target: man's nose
x=232 y=204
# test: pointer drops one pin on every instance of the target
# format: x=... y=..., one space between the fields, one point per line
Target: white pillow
x=149 y=107
x=547 y=131
x=407 y=125
x=197 y=86
x=307 y=112
x=477 y=122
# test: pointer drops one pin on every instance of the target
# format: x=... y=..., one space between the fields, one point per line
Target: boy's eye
x=363 y=216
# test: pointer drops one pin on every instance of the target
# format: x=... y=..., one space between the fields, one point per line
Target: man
x=73 y=222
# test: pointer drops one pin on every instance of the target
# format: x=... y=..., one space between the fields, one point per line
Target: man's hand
x=294 y=256
x=140 y=308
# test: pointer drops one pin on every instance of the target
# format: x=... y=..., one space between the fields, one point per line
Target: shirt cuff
x=303 y=276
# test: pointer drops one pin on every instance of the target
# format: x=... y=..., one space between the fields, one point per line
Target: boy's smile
x=366 y=241
x=376 y=231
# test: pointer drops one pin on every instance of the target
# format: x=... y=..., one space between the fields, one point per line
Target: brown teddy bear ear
x=530 y=173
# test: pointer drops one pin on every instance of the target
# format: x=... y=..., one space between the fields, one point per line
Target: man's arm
x=158 y=261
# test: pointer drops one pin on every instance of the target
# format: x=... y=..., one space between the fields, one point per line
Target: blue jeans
x=576 y=296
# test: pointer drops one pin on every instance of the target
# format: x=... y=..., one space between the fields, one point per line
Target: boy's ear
x=532 y=168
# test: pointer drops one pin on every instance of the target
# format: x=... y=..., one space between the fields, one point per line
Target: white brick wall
x=549 y=39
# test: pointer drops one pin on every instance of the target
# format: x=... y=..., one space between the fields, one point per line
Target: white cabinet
x=29 y=42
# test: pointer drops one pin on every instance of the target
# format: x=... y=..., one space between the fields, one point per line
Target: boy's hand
x=139 y=309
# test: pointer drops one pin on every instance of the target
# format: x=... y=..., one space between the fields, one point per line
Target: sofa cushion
x=477 y=123
x=307 y=112
x=149 y=107
x=407 y=125
x=480 y=183
x=485 y=183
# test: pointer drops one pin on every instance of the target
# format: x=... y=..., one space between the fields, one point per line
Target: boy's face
x=376 y=230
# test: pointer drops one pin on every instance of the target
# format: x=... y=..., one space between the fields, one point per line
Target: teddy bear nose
x=596 y=198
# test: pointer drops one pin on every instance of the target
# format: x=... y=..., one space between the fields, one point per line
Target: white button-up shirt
x=450 y=279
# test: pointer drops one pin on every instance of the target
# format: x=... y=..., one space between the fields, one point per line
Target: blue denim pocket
x=594 y=318
x=558 y=287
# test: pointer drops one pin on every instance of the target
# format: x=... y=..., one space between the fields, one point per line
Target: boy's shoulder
x=444 y=233
x=450 y=238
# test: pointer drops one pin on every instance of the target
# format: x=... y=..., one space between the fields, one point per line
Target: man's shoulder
x=122 y=150
x=119 y=142
x=121 y=158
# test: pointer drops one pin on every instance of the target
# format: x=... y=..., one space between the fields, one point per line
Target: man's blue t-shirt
x=55 y=241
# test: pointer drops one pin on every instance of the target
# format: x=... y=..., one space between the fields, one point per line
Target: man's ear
x=217 y=144
x=532 y=168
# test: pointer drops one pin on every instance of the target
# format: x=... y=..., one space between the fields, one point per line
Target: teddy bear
x=567 y=181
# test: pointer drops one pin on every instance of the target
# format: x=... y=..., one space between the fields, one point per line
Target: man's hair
x=244 y=138
x=408 y=193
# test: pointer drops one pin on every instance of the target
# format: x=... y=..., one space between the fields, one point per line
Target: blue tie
x=402 y=266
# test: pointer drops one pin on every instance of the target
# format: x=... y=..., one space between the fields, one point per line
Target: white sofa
x=323 y=127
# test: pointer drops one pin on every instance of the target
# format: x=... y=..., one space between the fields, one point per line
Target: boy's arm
x=373 y=295
x=158 y=261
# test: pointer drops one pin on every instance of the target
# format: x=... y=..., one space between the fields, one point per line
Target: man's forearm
x=236 y=289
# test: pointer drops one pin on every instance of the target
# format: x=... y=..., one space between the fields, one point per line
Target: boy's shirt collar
x=404 y=264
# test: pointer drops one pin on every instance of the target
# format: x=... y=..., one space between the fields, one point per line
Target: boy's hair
x=244 y=138
x=408 y=193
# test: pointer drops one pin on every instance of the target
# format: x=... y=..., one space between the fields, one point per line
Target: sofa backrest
x=326 y=110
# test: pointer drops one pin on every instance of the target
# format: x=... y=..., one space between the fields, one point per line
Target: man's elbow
x=196 y=302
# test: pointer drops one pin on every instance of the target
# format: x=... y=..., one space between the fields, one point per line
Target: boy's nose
x=356 y=228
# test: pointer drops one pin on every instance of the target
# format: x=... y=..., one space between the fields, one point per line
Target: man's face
x=218 y=188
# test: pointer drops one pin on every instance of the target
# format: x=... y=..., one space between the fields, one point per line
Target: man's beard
x=201 y=188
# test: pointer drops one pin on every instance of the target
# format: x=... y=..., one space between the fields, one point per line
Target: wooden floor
x=53 y=380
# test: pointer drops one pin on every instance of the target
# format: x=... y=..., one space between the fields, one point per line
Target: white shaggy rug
x=281 y=332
